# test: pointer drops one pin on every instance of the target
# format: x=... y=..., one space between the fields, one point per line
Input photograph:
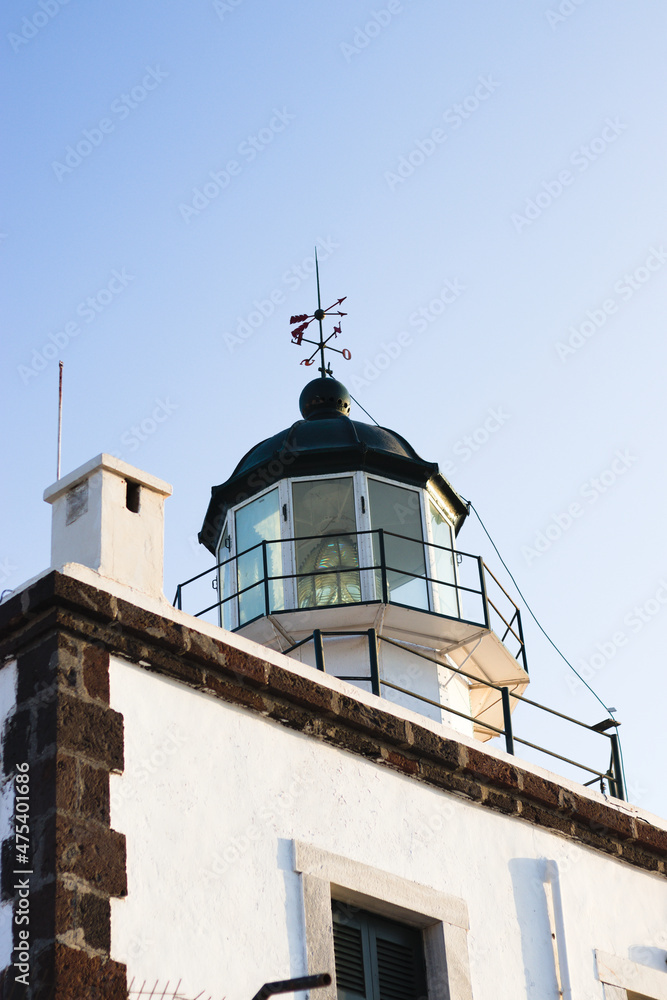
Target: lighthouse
x=305 y=791
x=337 y=544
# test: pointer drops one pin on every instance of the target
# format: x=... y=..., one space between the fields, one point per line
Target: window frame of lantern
x=362 y=513
x=432 y=498
x=224 y=553
x=286 y=551
x=362 y=540
x=419 y=490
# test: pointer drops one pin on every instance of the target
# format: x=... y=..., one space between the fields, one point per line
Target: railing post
x=482 y=581
x=383 y=567
x=523 y=644
x=507 y=720
x=265 y=563
x=374 y=661
x=319 y=649
x=178 y=601
x=616 y=766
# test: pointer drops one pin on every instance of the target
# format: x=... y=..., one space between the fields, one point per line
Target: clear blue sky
x=169 y=168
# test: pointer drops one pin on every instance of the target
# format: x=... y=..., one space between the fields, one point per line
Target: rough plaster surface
x=213 y=796
x=349 y=657
x=105 y=535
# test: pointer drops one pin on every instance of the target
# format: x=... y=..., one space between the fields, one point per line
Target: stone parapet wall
x=64 y=729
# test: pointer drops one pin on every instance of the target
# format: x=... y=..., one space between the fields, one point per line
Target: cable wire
x=610 y=711
x=365 y=411
x=471 y=506
x=530 y=610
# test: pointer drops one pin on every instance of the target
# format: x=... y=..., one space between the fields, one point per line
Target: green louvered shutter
x=376 y=959
x=348 y=947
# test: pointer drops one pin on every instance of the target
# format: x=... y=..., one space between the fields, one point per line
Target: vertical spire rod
x=320 y=316
x=60 y=416
x=304 y=320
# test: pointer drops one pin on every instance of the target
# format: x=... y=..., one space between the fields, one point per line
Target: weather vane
x=320 y=345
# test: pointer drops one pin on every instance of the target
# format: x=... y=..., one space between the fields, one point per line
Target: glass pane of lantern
x=326 y=543
x=446 y=602
x=258 y=521
x=397 y=511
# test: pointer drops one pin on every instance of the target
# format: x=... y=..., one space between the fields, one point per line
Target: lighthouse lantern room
x=336 y=544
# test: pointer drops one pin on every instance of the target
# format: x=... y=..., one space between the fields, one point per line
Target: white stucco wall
x=346 y=657
x=8 y=677
x=213 y=796
x=93 y=526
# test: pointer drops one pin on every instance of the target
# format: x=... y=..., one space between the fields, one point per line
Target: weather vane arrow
x=304 y=320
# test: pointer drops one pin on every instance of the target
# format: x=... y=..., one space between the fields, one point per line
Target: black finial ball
x=324 y=397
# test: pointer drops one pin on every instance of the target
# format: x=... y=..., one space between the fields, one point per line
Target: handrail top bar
x=338 y=534
x=495 y=729
x=490 y=684
x=365 y=569
x=447 y=666
x=493 y=575
x=381 y=532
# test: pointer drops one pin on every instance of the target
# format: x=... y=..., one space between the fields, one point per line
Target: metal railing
x=476 y=597
x=252 y=584
x=611 y=777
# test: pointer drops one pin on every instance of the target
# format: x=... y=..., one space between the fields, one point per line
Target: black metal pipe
x=296 y=645
x=265 y=566
x=319 y=649
x=507 y=720
x=523 y=644
x=485 y=599
x=292 y=985
x=383 y=567
x=618 y=769
x=373 y=657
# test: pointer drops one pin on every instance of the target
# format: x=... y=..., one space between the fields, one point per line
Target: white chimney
x=109 y=516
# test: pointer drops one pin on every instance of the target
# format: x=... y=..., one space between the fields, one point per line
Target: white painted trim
x=433 y=587
x=221 y=558
x=248 y=500
x=614 y=992
x=626 y=975
x=364 y=541
x=111 y=464
x=287 y=548
x=443 y=918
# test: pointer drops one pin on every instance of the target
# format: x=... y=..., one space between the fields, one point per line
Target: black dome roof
x=306 y=438
x=327 y=442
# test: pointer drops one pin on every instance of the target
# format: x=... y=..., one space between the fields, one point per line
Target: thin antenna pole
x=60 y=415
x=320 y=315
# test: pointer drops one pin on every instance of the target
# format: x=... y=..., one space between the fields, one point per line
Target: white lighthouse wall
x=213 y=796
x=349 y=657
